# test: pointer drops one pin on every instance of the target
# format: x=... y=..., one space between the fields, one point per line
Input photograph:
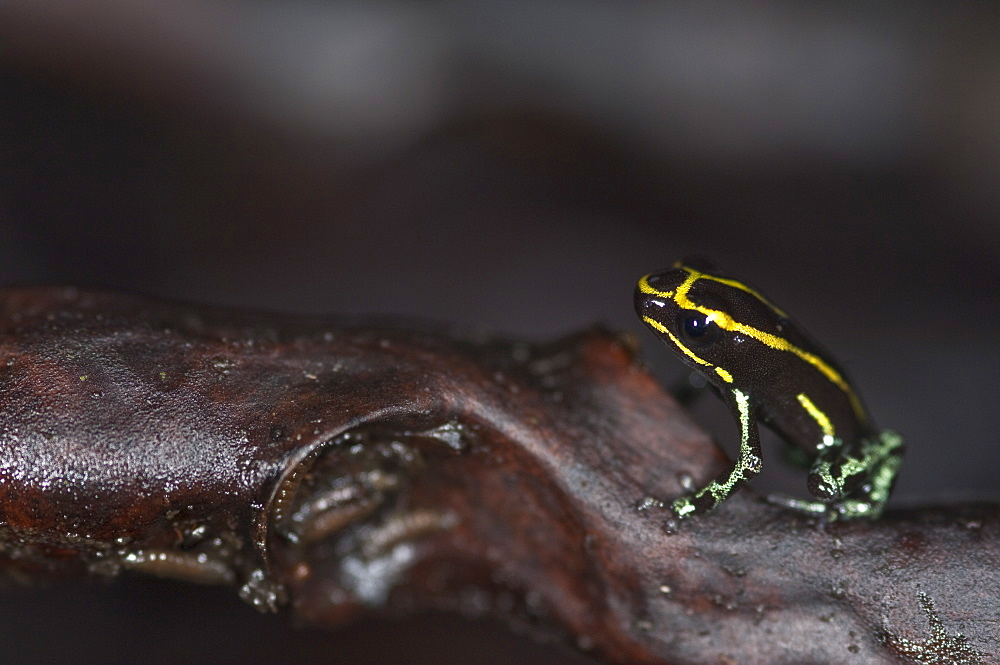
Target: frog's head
x=705 y=317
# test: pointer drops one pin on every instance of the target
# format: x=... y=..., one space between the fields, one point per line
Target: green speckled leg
x=882 y=460
x=877 y=466
x=746 y=467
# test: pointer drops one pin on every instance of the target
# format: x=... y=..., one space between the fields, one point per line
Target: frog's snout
x=649 y=305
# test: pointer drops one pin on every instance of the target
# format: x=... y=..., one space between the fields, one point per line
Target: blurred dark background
x=514 y=167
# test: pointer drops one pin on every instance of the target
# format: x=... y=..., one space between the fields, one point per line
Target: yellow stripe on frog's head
x=659 y=327
x=644 y=287
x=695 y=275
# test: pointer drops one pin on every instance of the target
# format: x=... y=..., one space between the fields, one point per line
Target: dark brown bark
x=331 y=469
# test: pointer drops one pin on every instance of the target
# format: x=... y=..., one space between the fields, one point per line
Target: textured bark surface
x=329 y=470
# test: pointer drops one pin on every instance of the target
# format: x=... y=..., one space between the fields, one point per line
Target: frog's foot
x=827 y=512
x=845 y=509
x=709 y=497
x=852 y=509
x=685 y=506
x=680 y=508
x=806 y=506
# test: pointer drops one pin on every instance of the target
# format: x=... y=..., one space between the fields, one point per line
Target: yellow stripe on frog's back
x=776 y=342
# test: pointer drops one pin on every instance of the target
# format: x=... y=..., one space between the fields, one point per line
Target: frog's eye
x=697 y=328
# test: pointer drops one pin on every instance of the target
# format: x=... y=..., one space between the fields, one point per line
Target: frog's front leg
x=745 y=467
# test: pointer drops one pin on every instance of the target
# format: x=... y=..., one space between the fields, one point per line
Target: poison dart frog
x=767 y=369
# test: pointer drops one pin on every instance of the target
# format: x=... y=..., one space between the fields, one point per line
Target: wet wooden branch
x=333 y=470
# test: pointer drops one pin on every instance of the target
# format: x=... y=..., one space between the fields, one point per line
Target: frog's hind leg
x=883 y=457
x=858 y=484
